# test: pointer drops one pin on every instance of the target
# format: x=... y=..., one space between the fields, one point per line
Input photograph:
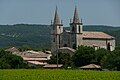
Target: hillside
x=39 y=35
x=22 y=34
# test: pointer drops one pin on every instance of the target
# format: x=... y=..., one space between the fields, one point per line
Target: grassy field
x=37 y=74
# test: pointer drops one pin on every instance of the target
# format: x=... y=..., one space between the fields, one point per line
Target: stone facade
x=75 y=36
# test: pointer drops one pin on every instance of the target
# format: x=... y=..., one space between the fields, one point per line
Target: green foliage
x=112 y=61
x=37 y=74
x=37 y=49
x=117 y=48
x=9 y=61
x=24 y=48
x=88 y=55
x=53 y=59
x=24 y=34
x=83 y=56
x=63 y=58
x=100 y=54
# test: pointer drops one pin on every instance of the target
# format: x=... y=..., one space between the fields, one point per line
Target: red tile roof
x=36 y=62
x=35 y=59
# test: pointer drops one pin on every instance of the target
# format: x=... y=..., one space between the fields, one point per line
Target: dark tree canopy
x=84 y=55
x=10 y=61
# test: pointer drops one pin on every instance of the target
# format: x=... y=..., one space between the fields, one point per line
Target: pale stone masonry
x=75 y=36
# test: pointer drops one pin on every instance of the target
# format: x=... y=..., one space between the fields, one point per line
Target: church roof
x=93 y=34
x=56 y=17
x=101 y=35
x=76 y=17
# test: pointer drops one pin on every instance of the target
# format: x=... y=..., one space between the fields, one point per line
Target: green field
x=38 y=74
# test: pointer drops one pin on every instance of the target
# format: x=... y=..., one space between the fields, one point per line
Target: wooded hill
x=39 y=35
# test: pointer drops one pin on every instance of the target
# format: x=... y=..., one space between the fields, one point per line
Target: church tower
x=56 y=30
x=76 y=31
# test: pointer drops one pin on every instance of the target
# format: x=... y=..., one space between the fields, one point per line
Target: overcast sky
x=100 y=12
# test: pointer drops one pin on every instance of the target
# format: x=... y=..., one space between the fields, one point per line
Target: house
x=66 y=50
x=12 y=50
x=35 y=61
x=91 y=67
x=31 y=57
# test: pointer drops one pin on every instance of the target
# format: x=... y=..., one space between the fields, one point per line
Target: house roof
x=48 y=52
x=36 y=62
x=102 y=35
x=52 y=65
x=67 y=48
x=34 y=54
x=34 y=59
x=13 y=49
x=90 y=66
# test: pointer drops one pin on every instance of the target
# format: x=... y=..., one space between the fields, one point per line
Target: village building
x=12 y=50
x=32 y=57
x=91 y=67
x=75 y=36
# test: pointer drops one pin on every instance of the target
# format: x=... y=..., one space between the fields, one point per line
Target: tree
x=63 y=58
x=10 y=61
x=117 y=48
x=24 y=48
x=112 y=61
x=99 y=54
x=53 y=59
x=83 y=56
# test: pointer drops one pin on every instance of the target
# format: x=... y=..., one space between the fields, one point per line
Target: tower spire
x=76 y=17
x=56 y=17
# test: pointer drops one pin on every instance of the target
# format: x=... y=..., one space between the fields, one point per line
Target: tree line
x=10 y=61
x=85 y=55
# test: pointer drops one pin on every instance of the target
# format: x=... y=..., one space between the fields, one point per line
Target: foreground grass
x=37 y=74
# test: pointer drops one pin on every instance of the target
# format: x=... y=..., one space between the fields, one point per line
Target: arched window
x=65 y=45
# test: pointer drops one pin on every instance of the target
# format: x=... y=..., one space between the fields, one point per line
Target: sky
x=92 y=12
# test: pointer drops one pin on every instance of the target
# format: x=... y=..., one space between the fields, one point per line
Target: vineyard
x=38 y=74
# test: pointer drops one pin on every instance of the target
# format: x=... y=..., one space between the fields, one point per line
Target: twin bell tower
x=74 y=37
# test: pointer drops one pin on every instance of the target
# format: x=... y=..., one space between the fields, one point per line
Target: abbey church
x=75 y=36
